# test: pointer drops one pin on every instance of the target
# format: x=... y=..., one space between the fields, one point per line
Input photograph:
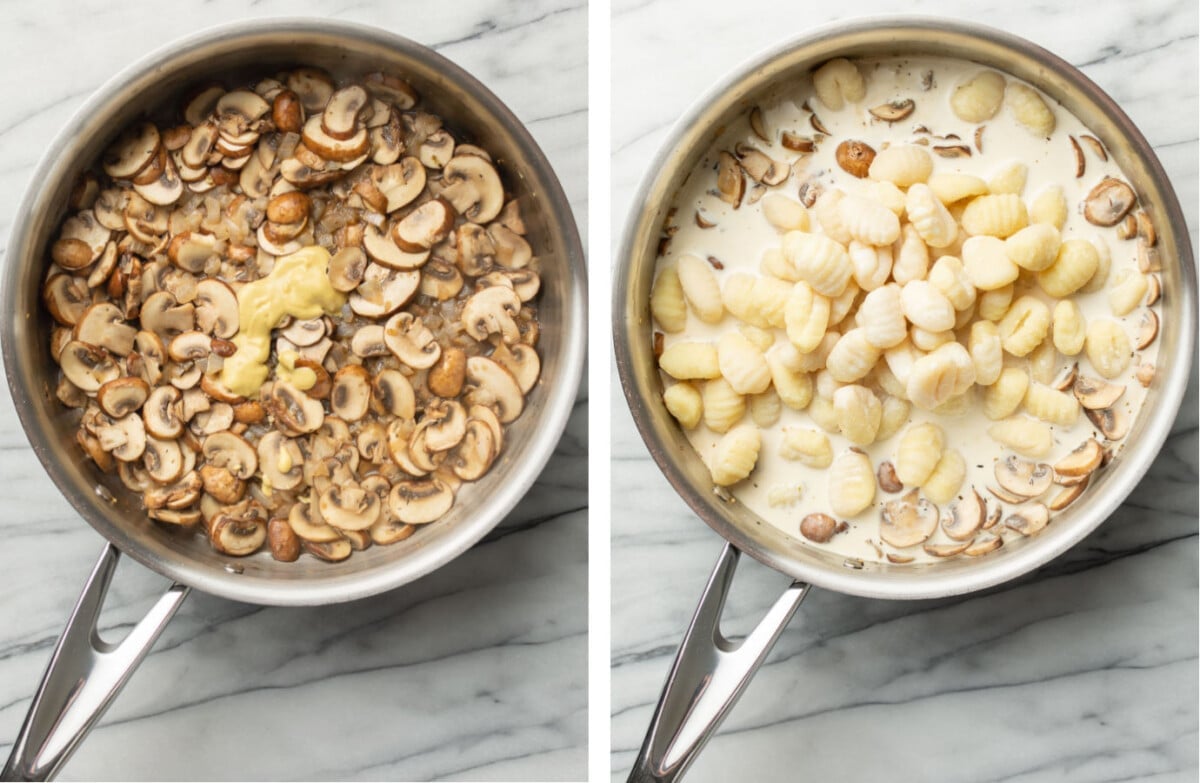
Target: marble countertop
x=477 y=671
x=1083 y=671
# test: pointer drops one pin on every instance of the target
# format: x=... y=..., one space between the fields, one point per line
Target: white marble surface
x=475 y=672
x=1083 y=671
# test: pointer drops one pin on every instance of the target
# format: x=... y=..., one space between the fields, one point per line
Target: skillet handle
x=84 y=676
x=708 y=676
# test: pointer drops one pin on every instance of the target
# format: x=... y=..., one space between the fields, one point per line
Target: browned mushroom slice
x=436 y=150
x=216 y=418
x=387 y=140
x=1080 y=162
x=124 y=438
x=104 y=325
x=1028 y=520
x=820 y=528
x=280 y=461
x=1082 y=461
x=163 y=314
x=476 y=251
x=1147 y=329
x=389 y=530
x=493 y=386
x=132 y=151
x=232 y=452
x=346 y=268
x=330 y=148
x=163 y=459
x=255 y=178
x=393 y=394
x=340 y=117
x=1113 y=423
x=424 y=227
x=1094 y=394
x=522 y=361
x=473 y=188
x=391 y=88
x=330 y=551
x=120 y=397
x=440 y=280
x=85 y=228
x=189 y=346
x=965 y=517
x=214 y=388
x=306 y=522
x=383 y=291
x=893 y=111
x=216 y=308
x=303 y=333
x=368 y=341
x=109 y=208
x=987 y=542
x=411 y=341
x=294 y=411
x=66 y=298
x=91 y=447
x=238 y=535
x=1108 y=202
x=222 y=484
x=174 y=517
x=887 y=478
x=492 y=311
x=855 y=157
x=445 y=424
x=87 y=366
x=282 y=540
x=475 y=453
x=166 y=188
x=200 y=145
x=1068 y=495
x=201 y=103
x=420 y=502
x=731 y=184
x=400 y=182
x=512 y=251
x=398 y=434
x=71 y=254
x=1022 y=478
x=446 y=378
x=945 y=550
x=161 y=414
x=349 y=508
x=1153 y=290
x=386 y=252
x=908 y=520
x=760 y=167
x=351 y=393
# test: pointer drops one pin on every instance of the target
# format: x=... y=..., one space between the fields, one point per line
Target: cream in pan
x=907 y=104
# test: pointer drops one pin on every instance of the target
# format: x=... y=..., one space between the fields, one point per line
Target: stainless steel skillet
x=86 y=673
x=710 y=672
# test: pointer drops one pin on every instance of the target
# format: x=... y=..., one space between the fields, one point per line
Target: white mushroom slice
x=473 y=187
x=510 y=216
x=908 y=520
x=152 y=355
x=424 y=227
x=134 y=477
x=1082 y=461
x=304 y=333
x=160 y=413
x=216 y=308
x=488 y=416
x=1147 y=330
x=383 y=291
x=398 y=434
x=1094 y=394
x=392 y=393
x=232 y=452
x=189 y=346
x=267 y=245
x=104 y=266
x=163 y=460
x=391 y=88
x=368 y=342
x=420 y=502
x=165 y=189
x=341 y=114
x=476 y=252
x=199 y=146
x=400 y=182
x=372 y=446
x=525 y=282
x=255 y=177
x=330 y=552
x=411 y=341
x=387 y=140
x=87 y=366
x=437 y=149
x=245 y=103
x=389 y=530
x=312 y=86
x=213 y=387
x=189 y=174
x=1068 y=495
x=382 y=249
x=238 y=535
x=444 y=424
x=174 y=517
x=294 y=411
x=377 y=113
x=1029 y=519
x=440 y=280
x=966 y=517
x=475 y=453
x=945 y=550
x=280 y=460
x=132 y=151
x=495 y=387
x=217 y=418
x=123 y=396
x=1113 y=423
x=104 y=324
x=124 y=438
x=512 y=251
x=66 y=297
x=987 y=542
x=1023 y=478
x=109 y=208
x=329 y=148
x=191 y=250
x=306 y=522
x=346 y=268
x=201 y=104
x=351 y=394
x=85 y=228
x=492 y=311
x=162 y=314
x=522 y=361
x=350 y=508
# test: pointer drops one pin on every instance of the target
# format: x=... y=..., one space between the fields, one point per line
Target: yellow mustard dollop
x=298 y=286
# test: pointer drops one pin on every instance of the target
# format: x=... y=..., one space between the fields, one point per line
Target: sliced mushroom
x=399 y=432
x=384 y=290
x=444 y=424
x=1096 y=147
x=1006 y=496
x=340 y=118
x=987 y=542
x=1153 y=290
x=232 y=452
x=493 y=386
x=440 y=280
x=908 y=520
x=1145 y=374
x=217 y=418
x=294 y=411
x=522 y=361
x=887 y=478
x=331 y=551
x=238 y=535
x=731 y=184
x=1023 y=478
x=1068 y=495
x=512 y=251
x=966 y=516
x=173 y=517
x=66 y=298
x=424 y=227
x=87 y=366
x=350 y=507
x=184 y=492
x=85 y=228
x=400 y=182
x=124 y=438
x=346 y=268
x=1080 y=162
x=386 y=252
x=330 y=148
x=760 y=167
x=437 y=149
x=1094 y=394
x=389 y=530
x=162 y=314
x=391 y=88
x=368 y=341
x=1108 y=202
x=855 y=157
x=282 y=540
x=1113 y=423
x=166 y=188
x=120 y=397
x=945 y=550
x=280 y=460
x=1028 y=520
x=476 y=251
x=306 y=522
x=222 y=484
x=151 y=354
x=213 y=387
x=163 y=459
x=1066 y=379
x=161 y=414
x=1084 y=459
x=475 y=453
x=893 y=111
x=820 y=528
x=492 y=311
x=1147 y=329
x=103 y=324
x=216 y=308
x=446 y=378
x=392 y=394
x=411 y=341
x=473 y=188
x=420 y=502
x=132 y=151
x=104 y=267
x=312 y=86
x=303 y=333
x=351 y=393
x=189 y=346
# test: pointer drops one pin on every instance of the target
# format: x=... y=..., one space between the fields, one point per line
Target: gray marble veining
x=1083 y=671
x=477 y=671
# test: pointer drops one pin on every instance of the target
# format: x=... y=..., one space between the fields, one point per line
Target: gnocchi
x=723 y=407
x=807 y=446
x=979 y=98
x=690 y=361
x=819 y=261
x=1070 y=328
x=1025 y=436
x=930 y=217
x=1107 y=347
x=683 y=402
x=736 y=455
x=918 y=453
x=851 y=483
x=901 y=164
x=742 y=364
x=859 y=414
x=1029 y=109
x=837 y=82
x=1025 y=325
x=667 y=304
x=947 y=477
x=700 y=288
x=997 y=215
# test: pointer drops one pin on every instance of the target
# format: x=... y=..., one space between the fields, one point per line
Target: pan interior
x=762 y=80
x=232 y=55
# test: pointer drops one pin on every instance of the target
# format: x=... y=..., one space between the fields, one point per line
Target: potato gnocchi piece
x=958 y=405
x=785 y=214
x=816 y=359
x=1003 y=397
x=700 y=288
x=903 y=165
x=979 y=98
x=946 y=479
x=736 y=455
x=829 y=215
x=900 y=360
x=912 y=258
x=893 y=416
x=851 y=483
x=1034 y=247
x=997 y=215
x=683 y=402
x=667 y=304
x=929 y=216
x=837 y=82
x=951 y=187
x=1127 y=292
x=927 y=307
x=1049 y=207
x=918 y=453
x=1010 y=179
x=723 y=407
x=992 y=305
x=986 y=352
x=773 y=264
x=1108 y=348
x=763 y=339
x=929 y=341
x=1104 y=265
x=950 y=277
x=881 y=317
x=889 y=195
x=868 y=221
x=742 y=364
x=758 y=301
x=766 y=408
x=987 y=265
x=784 y=495
x=1025 y=436
x=841 y=305
x=685 y=361
x=1074 y=266
x=1051 y=405
x=819 y=261
x=872 y=265
x=883 y=378
x=809 y=447
x=1069 y=328
x=852 y=357
x=1029 y=109
x=938 y=376
x=859 y=414
x=824 y=415
x=1025 y=325
x=1043 y=362
x=794 y=388
x=805 y=317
